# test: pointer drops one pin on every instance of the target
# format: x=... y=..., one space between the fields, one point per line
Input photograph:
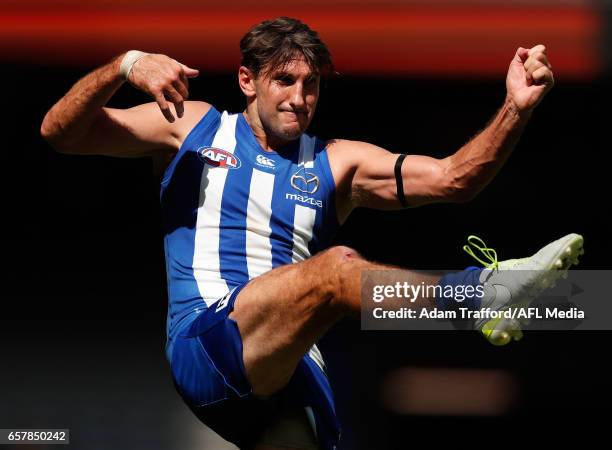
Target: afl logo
x=217 y=157
x=305 y=181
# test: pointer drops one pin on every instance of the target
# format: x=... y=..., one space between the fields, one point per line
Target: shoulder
x=343 y=161
x=346 y=155
x=352 y=162
x=346 y=149
x=194 y=111
x=197 y=107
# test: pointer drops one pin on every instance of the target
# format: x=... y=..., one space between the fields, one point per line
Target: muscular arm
x=70 y=120
x=79 y=122
x=369 y=170
x=475 y=164
x=364 y=173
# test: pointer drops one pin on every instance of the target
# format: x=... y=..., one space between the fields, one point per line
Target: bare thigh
x=282 y=313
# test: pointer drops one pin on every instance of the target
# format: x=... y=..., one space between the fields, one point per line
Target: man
x=249 y=198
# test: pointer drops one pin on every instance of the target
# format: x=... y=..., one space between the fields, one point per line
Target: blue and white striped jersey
x=233 y=211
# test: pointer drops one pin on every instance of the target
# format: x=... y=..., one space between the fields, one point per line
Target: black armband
x=399 y=181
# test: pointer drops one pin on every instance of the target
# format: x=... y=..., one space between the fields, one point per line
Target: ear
x=246 y=80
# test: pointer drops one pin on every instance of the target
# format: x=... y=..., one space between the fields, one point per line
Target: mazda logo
x=305 y=181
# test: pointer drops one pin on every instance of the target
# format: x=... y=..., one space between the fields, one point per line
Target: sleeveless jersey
x=232 y=211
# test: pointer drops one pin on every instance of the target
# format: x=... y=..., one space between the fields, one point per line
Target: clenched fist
x=529 y=77
x=165 y=79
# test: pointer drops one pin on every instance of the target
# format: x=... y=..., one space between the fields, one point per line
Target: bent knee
x=342 y=254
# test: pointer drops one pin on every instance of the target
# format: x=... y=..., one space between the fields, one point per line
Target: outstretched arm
x=80 y=123
x=367 y=171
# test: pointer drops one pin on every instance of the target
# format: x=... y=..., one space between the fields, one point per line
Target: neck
x=267 y=141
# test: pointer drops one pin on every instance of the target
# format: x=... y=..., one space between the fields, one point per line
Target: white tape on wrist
x=128 y=62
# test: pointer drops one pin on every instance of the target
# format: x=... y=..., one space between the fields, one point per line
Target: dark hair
x=274 y=44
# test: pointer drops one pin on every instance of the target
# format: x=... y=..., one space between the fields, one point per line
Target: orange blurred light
x=417 y=40
x=455 y=392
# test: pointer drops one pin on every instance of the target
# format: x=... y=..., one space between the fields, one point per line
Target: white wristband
x=128 y=62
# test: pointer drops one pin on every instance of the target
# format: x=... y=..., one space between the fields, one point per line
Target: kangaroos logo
x=217 y=157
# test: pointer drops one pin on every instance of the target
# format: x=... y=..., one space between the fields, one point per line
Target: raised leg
x=282 y=313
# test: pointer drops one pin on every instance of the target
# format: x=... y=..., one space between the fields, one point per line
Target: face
x=286 y=100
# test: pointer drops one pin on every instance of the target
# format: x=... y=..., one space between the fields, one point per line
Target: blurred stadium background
x=83 y=241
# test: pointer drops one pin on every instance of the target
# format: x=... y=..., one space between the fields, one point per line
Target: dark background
x=83 y=323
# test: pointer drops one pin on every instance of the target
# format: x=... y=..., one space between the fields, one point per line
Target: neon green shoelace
x=488 y=253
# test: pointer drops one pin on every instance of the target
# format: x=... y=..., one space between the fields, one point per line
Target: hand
x=529 y=77
x=164 y=79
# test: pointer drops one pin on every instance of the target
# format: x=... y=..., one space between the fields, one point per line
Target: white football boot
x=515 y=283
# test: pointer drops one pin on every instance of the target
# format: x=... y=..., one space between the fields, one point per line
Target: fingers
x=535 y=61
x=177 y=89
x=163 y=106
x=543 y=75
x=522 y=54
x=166 y=80
x=189 y=72
x=171 y=94
x=182 y=88
x=537 y=49
x=174 y=89
x=537 y=67
x=182 y=85
x=164 y=98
